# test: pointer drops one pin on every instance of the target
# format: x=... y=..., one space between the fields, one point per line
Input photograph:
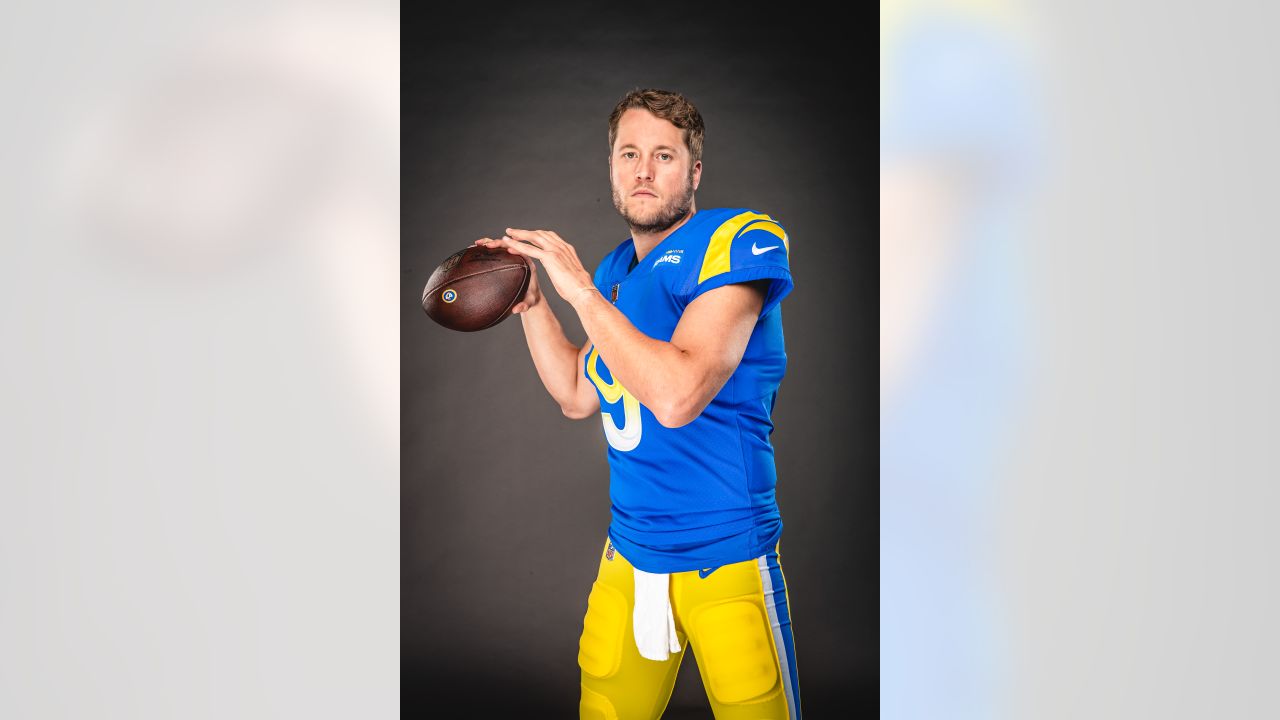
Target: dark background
x=504 y=501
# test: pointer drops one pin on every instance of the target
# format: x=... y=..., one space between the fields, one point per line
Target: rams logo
x=449 y=295
x=671 y=256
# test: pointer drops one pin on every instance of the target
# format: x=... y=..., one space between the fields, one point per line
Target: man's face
x=650 y=170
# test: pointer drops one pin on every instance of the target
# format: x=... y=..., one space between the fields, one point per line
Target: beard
x=658 y=219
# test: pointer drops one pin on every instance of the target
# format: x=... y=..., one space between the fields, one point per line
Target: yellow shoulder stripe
x=716 y=260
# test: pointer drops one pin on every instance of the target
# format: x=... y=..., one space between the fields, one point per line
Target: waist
x=676 y=547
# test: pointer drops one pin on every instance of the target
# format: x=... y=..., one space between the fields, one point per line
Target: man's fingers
x=542 y=238
x=528 y=249
x=531 y=239
x=526 y=235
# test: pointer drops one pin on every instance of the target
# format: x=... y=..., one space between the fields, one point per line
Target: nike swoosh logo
x=703 y=573
x=758 y=250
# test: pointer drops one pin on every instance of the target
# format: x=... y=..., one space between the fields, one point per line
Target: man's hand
x=533 y=295
x=558 y=258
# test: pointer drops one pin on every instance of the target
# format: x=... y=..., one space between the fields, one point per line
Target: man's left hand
x=558 y=258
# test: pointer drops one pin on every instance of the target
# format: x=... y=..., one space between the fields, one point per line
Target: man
x=683 y=359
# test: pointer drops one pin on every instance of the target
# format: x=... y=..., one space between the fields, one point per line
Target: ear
x=697 y=174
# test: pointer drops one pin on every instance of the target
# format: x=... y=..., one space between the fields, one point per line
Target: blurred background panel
x=1078 y=347
x=1136 y=532
x=199 y=498
x=959 y=138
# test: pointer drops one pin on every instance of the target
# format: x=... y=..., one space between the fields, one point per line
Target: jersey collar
x=697 y=218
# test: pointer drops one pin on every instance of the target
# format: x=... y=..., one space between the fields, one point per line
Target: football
x=475 y=288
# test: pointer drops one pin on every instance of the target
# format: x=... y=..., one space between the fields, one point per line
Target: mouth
x=643 y=193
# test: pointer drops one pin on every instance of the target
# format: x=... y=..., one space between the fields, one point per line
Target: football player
x=683 y=361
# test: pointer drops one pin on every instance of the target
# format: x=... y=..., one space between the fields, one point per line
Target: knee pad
x=595 y=706
x=603 y=632
x=737 y=653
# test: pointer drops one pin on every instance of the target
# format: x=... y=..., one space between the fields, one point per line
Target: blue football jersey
x=701 y=495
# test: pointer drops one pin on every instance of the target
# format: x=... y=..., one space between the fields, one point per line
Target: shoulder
x=725 y=221
x=740 y=238
x=724 y=226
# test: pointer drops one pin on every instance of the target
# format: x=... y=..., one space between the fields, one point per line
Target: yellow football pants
x=736 y=618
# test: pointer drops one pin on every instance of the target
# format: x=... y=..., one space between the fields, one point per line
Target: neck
x=644 y=242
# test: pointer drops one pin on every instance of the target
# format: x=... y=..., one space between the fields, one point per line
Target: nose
x=644 y=169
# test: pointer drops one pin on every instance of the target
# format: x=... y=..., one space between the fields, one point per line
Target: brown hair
x=670 y=106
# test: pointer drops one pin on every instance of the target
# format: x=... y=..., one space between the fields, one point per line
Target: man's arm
x=676 y=380
x=559 y=362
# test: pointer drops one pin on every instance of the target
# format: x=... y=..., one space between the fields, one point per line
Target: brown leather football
x=475 y=288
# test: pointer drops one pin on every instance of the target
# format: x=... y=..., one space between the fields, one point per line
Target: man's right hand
x=533 y=295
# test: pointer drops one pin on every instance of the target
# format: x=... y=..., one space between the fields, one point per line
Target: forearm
x=553 y=355
x=655 y=372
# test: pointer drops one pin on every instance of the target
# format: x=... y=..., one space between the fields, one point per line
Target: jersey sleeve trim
x=778 y=289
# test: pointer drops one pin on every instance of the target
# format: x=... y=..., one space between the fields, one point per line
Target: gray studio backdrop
x=505 y=502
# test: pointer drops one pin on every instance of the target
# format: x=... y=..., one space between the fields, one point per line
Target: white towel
x=655 y=624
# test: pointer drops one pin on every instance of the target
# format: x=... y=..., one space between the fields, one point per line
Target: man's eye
x=627 y=154
x=665 y=156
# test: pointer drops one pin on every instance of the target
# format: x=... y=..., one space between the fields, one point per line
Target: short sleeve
x=759 y=249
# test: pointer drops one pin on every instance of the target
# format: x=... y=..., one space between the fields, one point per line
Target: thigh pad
x=736 y=650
